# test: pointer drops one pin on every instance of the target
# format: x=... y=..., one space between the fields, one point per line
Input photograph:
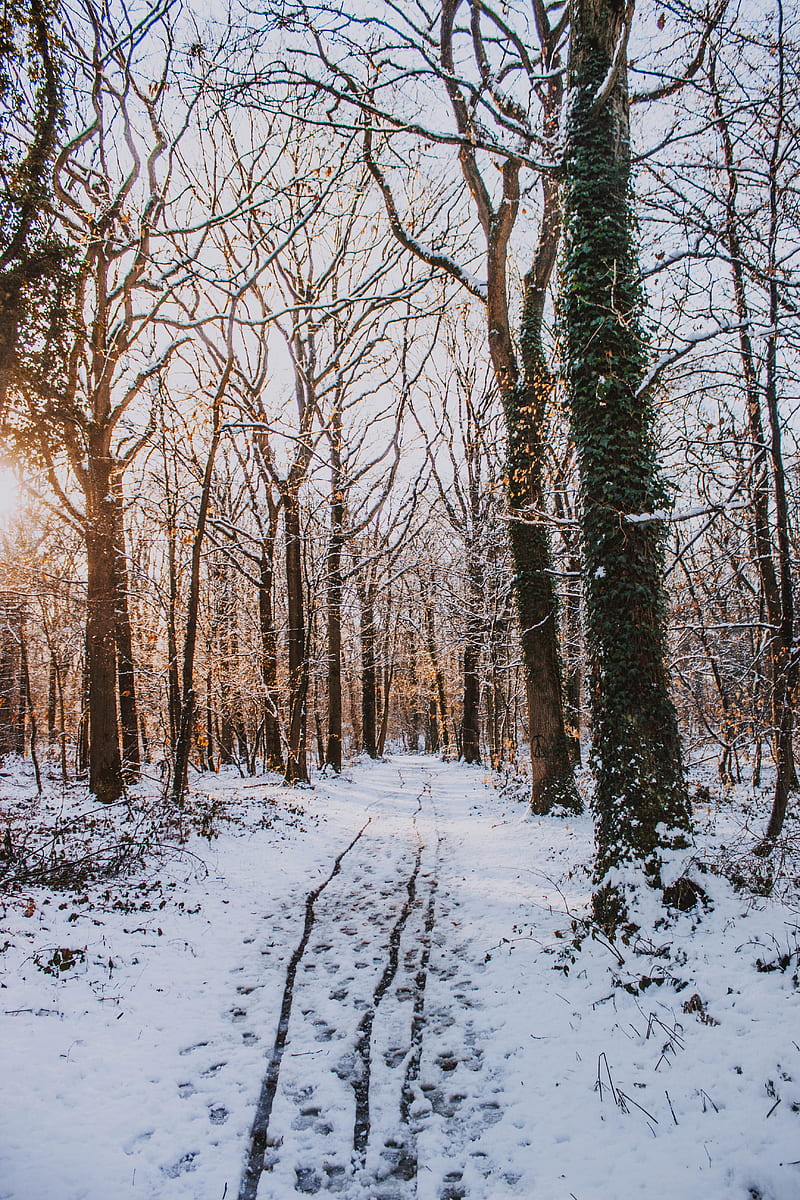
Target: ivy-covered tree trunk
x=641 y=802
x=30 y=259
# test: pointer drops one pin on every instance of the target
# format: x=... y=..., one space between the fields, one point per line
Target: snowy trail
x=350 y=991
x=342 y=1106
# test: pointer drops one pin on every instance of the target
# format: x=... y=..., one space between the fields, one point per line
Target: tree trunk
x=366 y=594
x=333 y=749
x=432 y=727
x=22 y=701
x=471 y=723
x=232 y=738
x=105 y=760
x=552 y=779
x=296 y=766
x=787 y=655
x=443 y=736
x=10 y=643
x=58 y=668
x=207 y=742
x=525 y=391
x=273 y=752
x=25 y=684
x=388 y=676
x=82 y=732
x=574 y=670
x=126 y=680
x=497 y=700
x=173 y=674
x=414 y=717
x=641 y=801
x=183 y=745
x=52 y=699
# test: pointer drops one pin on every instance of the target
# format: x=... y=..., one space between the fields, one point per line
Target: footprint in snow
x=196 y=1046
x=186 y=1163
x=212 y=1070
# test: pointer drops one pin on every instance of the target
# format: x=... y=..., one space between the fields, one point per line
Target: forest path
x=349 y=991
x=375 y=1084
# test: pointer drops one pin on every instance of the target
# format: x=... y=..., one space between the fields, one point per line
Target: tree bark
x=471 y=723
x=525 y=388
x=25 y=257
x=333 y=748
x=388 y=676
x=273 y=752
x=442 y=733
x=525 y=406
x=787 y=655
x=126 y=678
x=366 y=595
x=183 y=746
x=10 y=643
x=105 y=761
x=296 y=765
x=641 y=800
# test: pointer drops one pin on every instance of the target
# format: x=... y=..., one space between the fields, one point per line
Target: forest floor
x=373 y=989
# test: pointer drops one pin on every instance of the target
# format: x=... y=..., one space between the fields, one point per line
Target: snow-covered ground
x=249 y=1016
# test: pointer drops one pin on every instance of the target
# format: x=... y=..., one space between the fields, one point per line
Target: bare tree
x=86 y=410
x=501 y=86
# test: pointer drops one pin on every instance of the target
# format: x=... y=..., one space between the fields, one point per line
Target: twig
x=671 y=1109
x=623 y=1096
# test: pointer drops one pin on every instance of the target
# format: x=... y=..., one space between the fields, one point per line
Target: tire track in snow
x=399 y=1080
x=260 y=1127
x=363 y=1047
x=408 y=1162
x=401 y=1153
x=363 y=1074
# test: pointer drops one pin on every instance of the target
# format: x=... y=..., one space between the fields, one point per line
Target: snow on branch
x=532 y=516
x=689 y=343
x=698 y=510
x=432 y=257
x=620 y=50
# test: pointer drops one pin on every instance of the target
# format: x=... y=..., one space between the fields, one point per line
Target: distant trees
x=109 y=186
x=299 y=499
x=462 y=424
x=466 y=53
x=722 y=281
x=758 y=271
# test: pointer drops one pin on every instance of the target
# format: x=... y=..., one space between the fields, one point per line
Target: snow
x=504 y=1060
